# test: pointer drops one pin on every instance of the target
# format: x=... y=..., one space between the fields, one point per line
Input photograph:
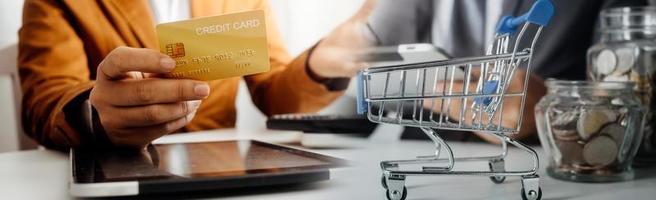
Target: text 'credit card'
x=216 y=47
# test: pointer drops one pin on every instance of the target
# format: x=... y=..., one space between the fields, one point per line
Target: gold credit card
x=216 y=47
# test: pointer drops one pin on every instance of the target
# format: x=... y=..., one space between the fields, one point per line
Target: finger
x=126 y=59
x=362 y=65
x=139 y=137
x=158 y=91
x=131 y=117
x=159 y=130
x=365 y=10
x=352 y=68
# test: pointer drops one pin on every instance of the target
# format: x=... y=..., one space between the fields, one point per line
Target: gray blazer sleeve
x=402 y=21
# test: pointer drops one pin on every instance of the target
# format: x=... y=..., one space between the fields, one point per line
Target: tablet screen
x=195 y=160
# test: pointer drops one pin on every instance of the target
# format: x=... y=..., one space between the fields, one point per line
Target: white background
x=10 y=16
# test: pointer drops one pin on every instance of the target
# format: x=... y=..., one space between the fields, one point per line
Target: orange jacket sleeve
x=53 y=72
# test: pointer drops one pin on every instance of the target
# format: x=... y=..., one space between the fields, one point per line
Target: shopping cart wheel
x=532 y=194
x=498 y=179
x=402 y=196
x=383 y=181
x=497 y=166
x=531 y=187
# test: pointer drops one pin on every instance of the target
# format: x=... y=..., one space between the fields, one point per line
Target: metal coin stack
x=626 y=64
x=588 y=140
x=619 y=65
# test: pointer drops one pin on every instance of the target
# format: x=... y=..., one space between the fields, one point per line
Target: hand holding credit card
x=216 y=47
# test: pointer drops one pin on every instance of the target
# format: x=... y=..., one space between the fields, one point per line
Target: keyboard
x=317 y=123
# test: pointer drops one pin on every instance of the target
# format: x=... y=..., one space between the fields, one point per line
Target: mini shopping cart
x=465 y=94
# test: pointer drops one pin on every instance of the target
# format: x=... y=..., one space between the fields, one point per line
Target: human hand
x=511 y=105
x=337 y=55
x=135 y=110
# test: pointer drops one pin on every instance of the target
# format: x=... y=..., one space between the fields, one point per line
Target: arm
x=54 y=75
x=287 y=87
x=304 y=84
x=131 y=110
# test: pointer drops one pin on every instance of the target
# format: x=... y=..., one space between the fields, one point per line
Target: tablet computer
x=188 y=167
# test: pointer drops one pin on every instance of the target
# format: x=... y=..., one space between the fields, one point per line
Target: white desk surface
x=43 y=174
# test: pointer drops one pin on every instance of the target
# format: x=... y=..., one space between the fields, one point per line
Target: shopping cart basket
x=465 y=94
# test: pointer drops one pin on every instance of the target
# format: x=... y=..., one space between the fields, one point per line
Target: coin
x=600 y=151
x=566 y=120
x=614 y=131
x=565 y=167
x=616 y=78
x=571 y=152
x=565 y=135
x=617 y=133
x=625 y=60
x=563 y=126
x=604 y=172
x=617 y=101
x=591 y=121
x=606 y=62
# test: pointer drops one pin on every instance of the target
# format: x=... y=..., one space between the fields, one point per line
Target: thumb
x=365 y=10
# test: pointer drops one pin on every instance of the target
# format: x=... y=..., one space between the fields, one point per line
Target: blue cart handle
x=539 y=14
x=361 y=105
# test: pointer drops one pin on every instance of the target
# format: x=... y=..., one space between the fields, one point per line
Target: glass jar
x=590 y=131
x=626 y=52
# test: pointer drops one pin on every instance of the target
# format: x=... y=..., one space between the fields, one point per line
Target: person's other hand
x=337 y=55
x=535 y=90
x=134 y=110
x=511 y=105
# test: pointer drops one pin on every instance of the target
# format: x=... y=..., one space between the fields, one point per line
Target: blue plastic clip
x=361 y=102
x=539 y=14
x=489 y=88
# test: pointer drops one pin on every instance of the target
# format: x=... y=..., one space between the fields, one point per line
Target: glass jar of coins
x=626 y=52
x=590 y=130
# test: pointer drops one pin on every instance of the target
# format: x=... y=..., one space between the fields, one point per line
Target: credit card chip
x=175 y=50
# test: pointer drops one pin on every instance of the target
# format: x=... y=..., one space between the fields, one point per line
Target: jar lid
x=629 y=18
x=605 y=85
